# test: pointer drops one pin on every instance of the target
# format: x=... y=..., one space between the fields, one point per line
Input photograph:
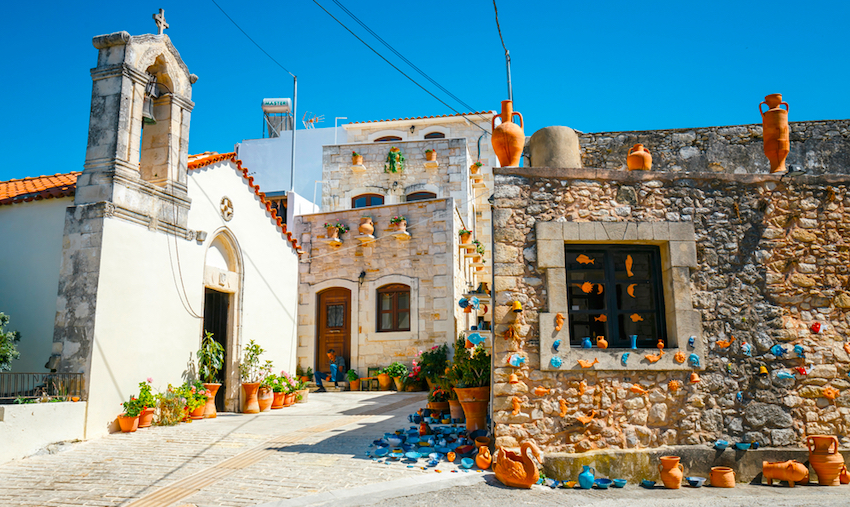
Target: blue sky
x=593 y=66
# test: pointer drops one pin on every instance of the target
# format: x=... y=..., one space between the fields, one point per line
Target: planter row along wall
x=771 y=259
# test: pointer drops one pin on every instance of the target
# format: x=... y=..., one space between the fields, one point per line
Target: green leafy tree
x=8 y=339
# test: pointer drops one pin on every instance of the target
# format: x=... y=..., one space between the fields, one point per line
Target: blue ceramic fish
x=740 y=397
x=556 y=361
x=692 y=341
x=624 y=358
x=475 y=338
x=778 y=350
x=747 y=349
x=798 y=349
x=516 y=360
x=556 y=344
x=784 y=374
x=693 y=359
x=463 y=303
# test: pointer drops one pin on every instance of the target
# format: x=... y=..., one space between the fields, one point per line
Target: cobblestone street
x=234 y=460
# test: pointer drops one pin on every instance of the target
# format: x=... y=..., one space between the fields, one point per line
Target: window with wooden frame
x=387 y=139
x=435 y=135
x=420 y=196
x=615 y=292
x=366 y=200
x=393 y=308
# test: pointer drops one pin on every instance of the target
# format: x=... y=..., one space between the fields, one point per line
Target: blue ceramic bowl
x=394 y=441
x=413 y=455
x=695 y=482
x=434 y=455
x=381 y=452
x=721 y=444
x=646 y=483
x=603 y=483
x=741 y=446
x=466 y=462
x=412 y=440
x=620 y=483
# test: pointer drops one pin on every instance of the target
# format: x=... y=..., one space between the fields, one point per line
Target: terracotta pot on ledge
x=777 y=134
x=366 y=228
x=265 y=398
x=508 y=138
x=639 y=158
x=357 y=160
x=431 y=156
x=278 y=400
x=146 y=417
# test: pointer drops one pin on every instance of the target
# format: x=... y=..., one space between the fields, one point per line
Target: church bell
x=147 y=107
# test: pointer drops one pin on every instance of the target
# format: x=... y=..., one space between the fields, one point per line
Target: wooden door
x=216 y=312
x=333 y=326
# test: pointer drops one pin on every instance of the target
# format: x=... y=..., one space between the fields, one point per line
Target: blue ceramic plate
x=412 y=440
x=620 y=483
x=603 y=483
x=443 y=450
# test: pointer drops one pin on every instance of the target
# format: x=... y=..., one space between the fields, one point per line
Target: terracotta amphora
x=777 y=135
x=791 y=471
x=722 y=477
x=483 y=459
x=209 y=408
x=474 y=401
x=366 y=228
x=825 y=458
x=639 y=158
x=671 y=471
x=508 y=138
x=265 y=398
x=250 y=401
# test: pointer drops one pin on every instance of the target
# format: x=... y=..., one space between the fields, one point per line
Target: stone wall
x=772 y=259
x=818 y=146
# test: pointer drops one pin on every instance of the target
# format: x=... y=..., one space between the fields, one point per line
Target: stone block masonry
x=771 y=259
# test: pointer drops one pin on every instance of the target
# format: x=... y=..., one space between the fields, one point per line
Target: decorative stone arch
x=435 y=128
x=369 y=319
x=385 y=133
x=309 y=308
x=224 y=273
x=422 y=187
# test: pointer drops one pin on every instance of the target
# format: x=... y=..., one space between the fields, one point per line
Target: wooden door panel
x=333 y=326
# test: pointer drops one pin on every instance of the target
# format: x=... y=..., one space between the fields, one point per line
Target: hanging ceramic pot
x=777 y=135
x=639 y=158
x=825 y=458
x=508 y=138
x=671 y=471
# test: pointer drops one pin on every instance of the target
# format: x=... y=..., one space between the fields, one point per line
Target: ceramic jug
x=587 y=477
x=825 y=458
x=508 y=138
x=639 y=158
x=586 y=343
x=777 y=135
x=366 y=228
x=483 y=459
x=671 y=471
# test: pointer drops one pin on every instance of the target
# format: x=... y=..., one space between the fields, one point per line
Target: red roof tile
x=38 y=188
x=424 y=117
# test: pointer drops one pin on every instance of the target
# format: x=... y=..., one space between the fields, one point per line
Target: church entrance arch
x=222 y=302
x=333 y=326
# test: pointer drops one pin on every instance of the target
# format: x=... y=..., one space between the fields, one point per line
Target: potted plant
x=301 y=392
x=399 y=223
x=289 y=388
x=250 y=371
x=479 y=250
x=210 y=362
x=265 y=394
x=464 y=234
x=366 y=227
x=353 y=380
x=129 y=420
x=385 y=382
x=278 y=386
x=433 y=363
x=431 y=155
x=335 y=230
x=395 y=161
x=474 y=168
x=445 y=383
x=196 y=399
x=148 y=403
x=438 y=399
x=470 y=374
x=170 y=405
x=356 y=158
x=396 y=371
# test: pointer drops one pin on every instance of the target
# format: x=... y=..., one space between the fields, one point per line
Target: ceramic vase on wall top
x=508 y=138
x=639 y=158
x=366 y=228
x=777 y=134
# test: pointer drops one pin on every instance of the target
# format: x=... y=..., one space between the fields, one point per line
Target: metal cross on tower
x=159 y=19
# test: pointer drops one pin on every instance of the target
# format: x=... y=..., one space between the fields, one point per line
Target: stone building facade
x=748 y=263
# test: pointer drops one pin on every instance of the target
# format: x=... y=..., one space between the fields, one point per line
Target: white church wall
x=29 y=275
x=26 y=428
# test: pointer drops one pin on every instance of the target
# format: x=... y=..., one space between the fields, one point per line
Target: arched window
x=393 y=308
x=366 y=200
x=420 y=196
x=387 y=139
x=435 y=135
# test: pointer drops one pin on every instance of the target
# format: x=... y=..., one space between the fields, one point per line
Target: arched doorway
x=222 y=283
x=333 y=326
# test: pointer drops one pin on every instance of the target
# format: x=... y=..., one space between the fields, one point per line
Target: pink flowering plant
x=433 y=362
x=341 y=227
x=397 y=220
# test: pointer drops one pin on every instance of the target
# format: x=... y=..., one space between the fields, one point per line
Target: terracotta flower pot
x=464 y=238
x=825 y=458
x=209 y=408
x=474 y=168
x=456 y=409
x=303 y=393
x=289 y=399
x=146 y=417
x=265 y=398
x=398 y=384
x=791 y=471
x=671 y=472
x=474 y=401
x=278 y=401
x=198 y=413
x=431 y=156
x=401 y=226
x=357 y=160
x=508 y=138
x=639 y=158
x=355 y=385
x=366 y=227
x=250 y=401
x=332 y=232
x=128 y=424
x=440 y=406
x=722 y=477
x=777 y=135
x=385 y=382
x=483 y=459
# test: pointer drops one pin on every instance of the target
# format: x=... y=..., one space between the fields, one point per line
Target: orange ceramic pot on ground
x=451 y=457
x=250 y=401
x=722 y=477
x=265 y=398
x=278 y=401
x=671 y=472
x=289 y=399
x=474 y=401
x=517 y=470
x=198 y=413
x=508 y=138
x=146 y=417
x=791 y=471
x=483 y=459
x=825 y=459
x=385 y=382
x=639 y=158
x=209 y=408
x=366 y=227
x=844 y=476
x=440 y=406
x=456 y=409
x=777 y=135
x=128 y=424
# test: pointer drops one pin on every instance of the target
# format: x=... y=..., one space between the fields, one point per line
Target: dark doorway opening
x=216 y=311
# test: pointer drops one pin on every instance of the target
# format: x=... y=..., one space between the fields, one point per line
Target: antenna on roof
x=310 y=123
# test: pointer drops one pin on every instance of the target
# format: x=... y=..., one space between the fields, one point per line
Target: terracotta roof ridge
x=29 y=178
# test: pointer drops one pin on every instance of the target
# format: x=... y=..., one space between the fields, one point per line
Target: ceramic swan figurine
x=517 y=470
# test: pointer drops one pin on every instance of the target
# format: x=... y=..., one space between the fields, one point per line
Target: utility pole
x=294 y=127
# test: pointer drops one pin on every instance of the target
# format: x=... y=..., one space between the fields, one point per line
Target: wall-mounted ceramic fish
x=830 y=393
x=517 y=404
x=541 y=391
x=725 y=343
x=693 y=359
x=583 y=259
x=584 y=419
x=559 y=321
x=563 y=405
x=475 y=339
x=587 y=364
x=601 y=318
x=654 y=358
x=636 y=318
x=637 y=389
x=629 y=263
x=516 y=360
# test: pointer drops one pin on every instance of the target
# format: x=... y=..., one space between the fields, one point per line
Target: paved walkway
x=233 y=460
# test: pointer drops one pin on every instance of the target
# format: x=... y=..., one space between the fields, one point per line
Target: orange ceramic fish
x=847 y=348
x=584 y=419
x=830 y=393
x=510 y=334
x=583 y=259
x=541 y=391
x=679 y=357
x=725 y=344
x=559 y=321
x=631 y=289
x=587 y=364
x=517 y=404
x=582 y=387
x=629 y=263
x=637 y=389
x=660 y=344
x=586 y=287
x=601 y=318
x=563 y=405
x=654 y=358
x=636 y=318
